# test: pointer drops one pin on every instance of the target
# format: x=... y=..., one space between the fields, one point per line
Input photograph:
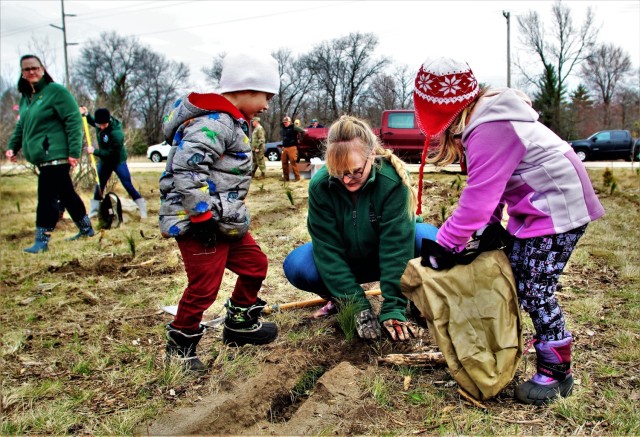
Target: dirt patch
x=270 y=403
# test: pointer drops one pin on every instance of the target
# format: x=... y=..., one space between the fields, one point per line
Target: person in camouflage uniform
x=258 y=139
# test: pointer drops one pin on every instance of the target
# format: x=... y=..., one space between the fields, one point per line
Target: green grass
x=347 y=311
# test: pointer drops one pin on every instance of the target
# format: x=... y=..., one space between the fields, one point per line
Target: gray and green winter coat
x=208 y=169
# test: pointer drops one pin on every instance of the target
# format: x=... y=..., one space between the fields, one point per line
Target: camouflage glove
x=402 y=331
x=367 y=325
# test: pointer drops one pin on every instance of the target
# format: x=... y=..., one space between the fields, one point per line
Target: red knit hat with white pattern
x=443 y=88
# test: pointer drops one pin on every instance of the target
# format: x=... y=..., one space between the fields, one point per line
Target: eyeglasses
x=357 y=174
x=30 y=69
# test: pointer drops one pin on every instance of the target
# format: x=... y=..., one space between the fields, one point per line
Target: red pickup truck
x=398 y=132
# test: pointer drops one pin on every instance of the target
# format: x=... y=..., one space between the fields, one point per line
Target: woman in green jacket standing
x=363 y=228
x=49 y=133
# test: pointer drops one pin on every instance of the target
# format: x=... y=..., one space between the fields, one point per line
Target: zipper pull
x=355 y=217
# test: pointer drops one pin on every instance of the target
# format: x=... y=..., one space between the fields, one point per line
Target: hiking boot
x=554 y=376
x=43 y=235
x=242 y=325
x=182 y=346
x=84 y=226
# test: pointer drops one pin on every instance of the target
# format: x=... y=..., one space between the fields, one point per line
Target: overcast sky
x=194 y=31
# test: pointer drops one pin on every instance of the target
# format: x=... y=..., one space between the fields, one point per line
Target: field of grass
x=82 y=334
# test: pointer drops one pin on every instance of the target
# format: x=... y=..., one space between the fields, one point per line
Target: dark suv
x=606 y=144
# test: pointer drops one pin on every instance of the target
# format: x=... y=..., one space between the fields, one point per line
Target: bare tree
x=9 y=98
x=344 y=68
x=156 y=90
x=359 y=67
x=326 y=63
x=603 y=70
x=42 y=47
x=559 y=53
x=109 y=66
x=628 y=100
x=383 y=93
x=404 y=78
x=214 y=72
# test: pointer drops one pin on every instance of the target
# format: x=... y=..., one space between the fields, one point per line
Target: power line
x=94 y=15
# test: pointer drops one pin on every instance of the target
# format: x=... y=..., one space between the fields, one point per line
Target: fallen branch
x=421 y=359
x=471 y=399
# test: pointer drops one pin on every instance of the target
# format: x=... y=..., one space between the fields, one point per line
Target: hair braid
x=401 y=168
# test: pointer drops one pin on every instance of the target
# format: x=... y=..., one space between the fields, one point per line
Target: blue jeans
x=301 y=271
x=122 y=171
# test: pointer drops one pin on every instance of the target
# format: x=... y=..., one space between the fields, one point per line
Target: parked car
x=158 y=152
x=606 y=144
x=272 y=151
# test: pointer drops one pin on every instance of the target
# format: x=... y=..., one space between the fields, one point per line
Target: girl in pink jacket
x=514 y=161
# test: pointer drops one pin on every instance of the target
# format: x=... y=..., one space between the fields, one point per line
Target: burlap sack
x=472 y=311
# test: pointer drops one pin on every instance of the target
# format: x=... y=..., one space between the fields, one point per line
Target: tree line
x=346 y=76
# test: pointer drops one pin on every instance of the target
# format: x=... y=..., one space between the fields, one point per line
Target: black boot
x=242 y=325
x=183 y=347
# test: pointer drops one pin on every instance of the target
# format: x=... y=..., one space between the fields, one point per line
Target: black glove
x=493 y=237
x=205 y=232
x=435 y=256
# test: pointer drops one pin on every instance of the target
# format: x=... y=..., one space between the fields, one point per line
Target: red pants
x=205 y=267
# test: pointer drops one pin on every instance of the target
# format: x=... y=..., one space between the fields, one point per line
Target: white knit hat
x=243 y=71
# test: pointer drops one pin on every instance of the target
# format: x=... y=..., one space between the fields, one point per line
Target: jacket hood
x=194 y=105
x=501 y=104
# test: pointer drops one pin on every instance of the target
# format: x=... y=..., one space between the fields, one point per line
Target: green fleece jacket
x=363 y=235
x=110 y=142
x=50 y=125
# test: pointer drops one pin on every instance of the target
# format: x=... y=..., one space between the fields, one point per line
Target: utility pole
x=507 y=15
x=64 y=36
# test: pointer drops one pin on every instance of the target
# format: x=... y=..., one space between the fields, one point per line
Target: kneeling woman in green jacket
x=363 y=229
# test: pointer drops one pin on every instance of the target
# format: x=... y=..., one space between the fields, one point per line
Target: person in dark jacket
x=363 y=228
x=314 y=124
x=113 y=158
x=49 y=133
x=289 y=134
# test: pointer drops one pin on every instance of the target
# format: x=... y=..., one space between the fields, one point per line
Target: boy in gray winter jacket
x=203 y=189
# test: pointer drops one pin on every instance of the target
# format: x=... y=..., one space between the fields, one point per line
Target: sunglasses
x=30 y=69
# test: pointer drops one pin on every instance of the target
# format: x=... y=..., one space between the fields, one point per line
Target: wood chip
x=407 y=382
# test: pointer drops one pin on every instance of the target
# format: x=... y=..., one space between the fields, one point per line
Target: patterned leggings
x=537 y=264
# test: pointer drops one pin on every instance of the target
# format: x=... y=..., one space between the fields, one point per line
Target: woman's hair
x=339 y=147
x=24 y=87
x=450 y=150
